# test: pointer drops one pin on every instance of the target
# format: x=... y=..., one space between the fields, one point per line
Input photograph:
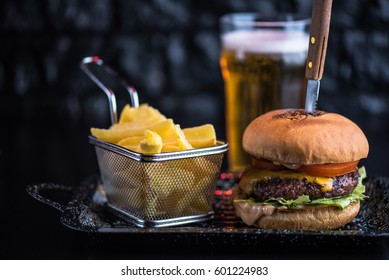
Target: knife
x=318 y=38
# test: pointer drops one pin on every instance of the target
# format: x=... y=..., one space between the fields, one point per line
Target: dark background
x=169 y=51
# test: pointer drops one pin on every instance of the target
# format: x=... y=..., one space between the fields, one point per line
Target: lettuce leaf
x=340 y=202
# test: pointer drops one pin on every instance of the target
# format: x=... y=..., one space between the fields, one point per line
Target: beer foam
x=266 y=41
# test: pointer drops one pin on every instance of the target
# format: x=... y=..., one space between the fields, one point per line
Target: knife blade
x=313 y=88
x=318 y=39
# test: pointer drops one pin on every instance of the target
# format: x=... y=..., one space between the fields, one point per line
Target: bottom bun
x=308 y=218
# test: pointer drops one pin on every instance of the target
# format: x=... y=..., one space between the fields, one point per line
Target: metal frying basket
x=158 y=190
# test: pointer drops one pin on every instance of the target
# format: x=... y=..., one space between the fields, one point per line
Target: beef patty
x=293 y=188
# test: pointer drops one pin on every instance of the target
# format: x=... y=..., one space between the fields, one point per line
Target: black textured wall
x=169 y=51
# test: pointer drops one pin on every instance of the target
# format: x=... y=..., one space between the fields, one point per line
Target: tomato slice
x=325 y=170
x=329 y=169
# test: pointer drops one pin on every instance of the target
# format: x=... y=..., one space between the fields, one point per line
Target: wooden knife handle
x=320 y=26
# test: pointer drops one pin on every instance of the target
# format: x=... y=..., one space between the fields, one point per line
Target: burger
x=304 y=171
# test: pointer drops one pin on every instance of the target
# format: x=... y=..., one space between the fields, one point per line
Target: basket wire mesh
x=167 y=189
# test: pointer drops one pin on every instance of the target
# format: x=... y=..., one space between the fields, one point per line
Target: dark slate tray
x=86 y=212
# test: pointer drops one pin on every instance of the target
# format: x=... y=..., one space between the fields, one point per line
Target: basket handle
x=36 y=192
x=92 y=66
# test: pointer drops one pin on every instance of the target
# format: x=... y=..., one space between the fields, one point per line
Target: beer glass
x=263 y=67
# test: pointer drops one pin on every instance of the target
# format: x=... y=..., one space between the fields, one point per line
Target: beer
x=262 y=70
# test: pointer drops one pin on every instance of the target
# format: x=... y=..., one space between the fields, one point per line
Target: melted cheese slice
x=326 y=183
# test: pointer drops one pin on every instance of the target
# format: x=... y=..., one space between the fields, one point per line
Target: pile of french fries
x=170 y=188
x=145 y=130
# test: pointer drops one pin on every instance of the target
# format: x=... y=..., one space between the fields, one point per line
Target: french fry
x=115 y=135
x=181 y=140
x=201 y=136
x=151 y=143
x=139 y=124
x=131 y=143
x=166 y=130
x=165 y=189
x=129 y=188
x=195 y=200
x=168 y=148
x=143 y=112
